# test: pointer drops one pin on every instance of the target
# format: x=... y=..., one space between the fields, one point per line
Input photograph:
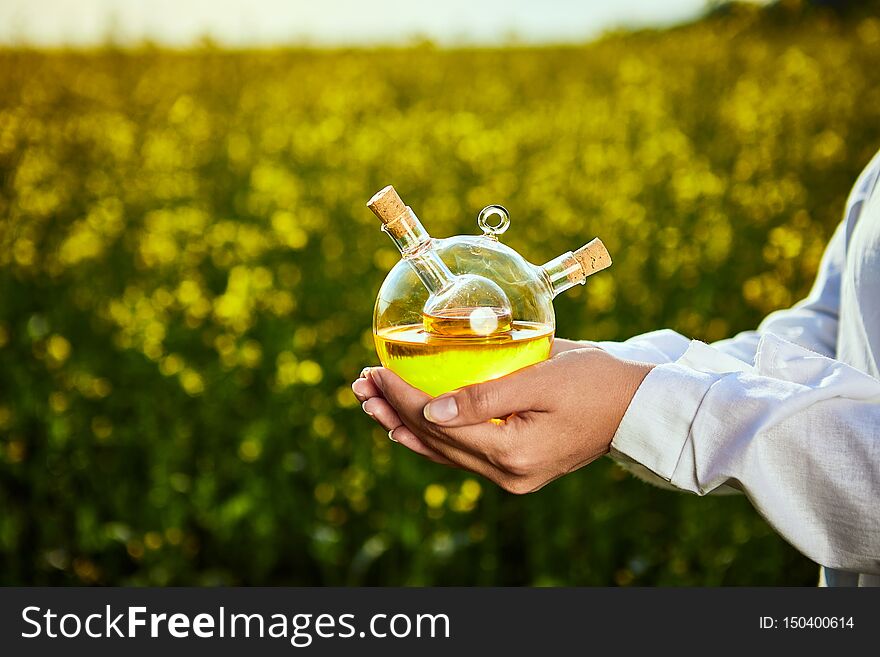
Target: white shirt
x=788 y=414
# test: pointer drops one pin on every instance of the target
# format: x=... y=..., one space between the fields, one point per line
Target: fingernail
x=358 y=387
x=391 y=435
x=441 y=410
x=364 y=409
x=365 y=372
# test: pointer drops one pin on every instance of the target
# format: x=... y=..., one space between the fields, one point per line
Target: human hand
x=562 y=344
x=557 y=416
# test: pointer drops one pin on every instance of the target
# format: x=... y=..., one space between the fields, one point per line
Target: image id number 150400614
x=807 y=623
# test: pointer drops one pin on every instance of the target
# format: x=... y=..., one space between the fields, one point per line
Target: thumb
x=522 y=390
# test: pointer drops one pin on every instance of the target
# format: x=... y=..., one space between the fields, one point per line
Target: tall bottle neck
x=414 y=244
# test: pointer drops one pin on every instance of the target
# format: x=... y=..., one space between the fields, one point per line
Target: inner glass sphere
x=472 y=348
x=469 y=306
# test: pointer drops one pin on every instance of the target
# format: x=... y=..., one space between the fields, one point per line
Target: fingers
x=406 y=400
x=364 y=388
x=524 y=390
x=486 y=448
x=409 y=440
x=472 y=448
x=463 y=458
x=409 y=403
x=381 y=411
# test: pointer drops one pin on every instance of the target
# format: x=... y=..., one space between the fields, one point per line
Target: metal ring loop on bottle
x=490 y=212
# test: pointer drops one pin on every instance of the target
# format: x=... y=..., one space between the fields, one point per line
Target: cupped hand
x=375 y=405
x=520 y=431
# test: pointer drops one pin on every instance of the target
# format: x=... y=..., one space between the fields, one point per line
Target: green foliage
x=187 y=273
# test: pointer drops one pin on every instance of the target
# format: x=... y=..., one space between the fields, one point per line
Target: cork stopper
x=591 y=257
x=397 y=218
x=398 y=221
x=387 y=205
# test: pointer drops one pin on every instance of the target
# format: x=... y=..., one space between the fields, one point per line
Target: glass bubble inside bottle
x=467 y=309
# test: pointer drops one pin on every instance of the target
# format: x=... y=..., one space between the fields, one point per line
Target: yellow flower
x=435 y=495
x=58 y=348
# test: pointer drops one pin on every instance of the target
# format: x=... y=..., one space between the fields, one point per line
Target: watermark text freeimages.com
x=300 y=629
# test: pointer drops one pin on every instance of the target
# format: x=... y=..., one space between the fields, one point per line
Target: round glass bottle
x=467 y=309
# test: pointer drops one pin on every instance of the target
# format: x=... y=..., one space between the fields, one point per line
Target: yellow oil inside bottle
x=468 y=322
x=440 y=363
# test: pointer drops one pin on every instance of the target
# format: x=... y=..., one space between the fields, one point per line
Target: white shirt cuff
x=656 y=347
x=657 y=423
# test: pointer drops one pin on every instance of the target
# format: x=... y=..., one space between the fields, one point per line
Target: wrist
x=631 y=374
x=561 y=345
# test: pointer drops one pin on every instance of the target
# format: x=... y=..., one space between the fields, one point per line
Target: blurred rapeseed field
x=187 y=274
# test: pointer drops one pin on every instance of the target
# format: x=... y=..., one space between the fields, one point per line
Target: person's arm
x=787 y=431
x=799 y=435
x=811 y=323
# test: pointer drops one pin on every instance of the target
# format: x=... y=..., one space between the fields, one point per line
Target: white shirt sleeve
x=798 y=433
x=770 y=413
x=812 y=323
